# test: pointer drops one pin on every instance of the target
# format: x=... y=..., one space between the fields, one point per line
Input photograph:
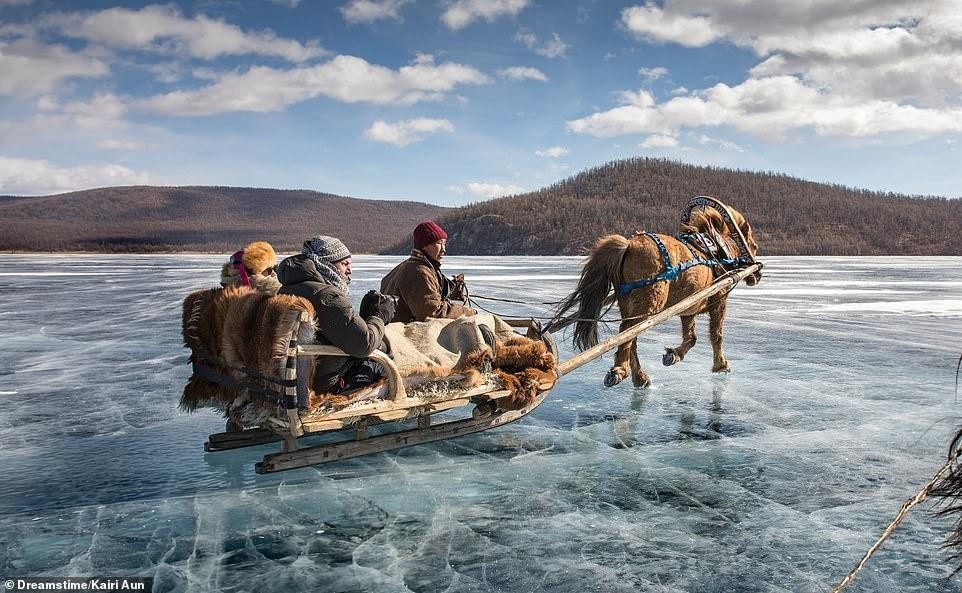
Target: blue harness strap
x=671 y=272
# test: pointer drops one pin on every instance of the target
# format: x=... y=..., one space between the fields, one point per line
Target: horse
x=650 y=272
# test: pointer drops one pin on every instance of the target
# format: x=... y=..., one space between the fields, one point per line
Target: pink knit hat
x=426 y=233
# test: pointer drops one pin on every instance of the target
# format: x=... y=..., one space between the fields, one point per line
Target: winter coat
x=337 y=323
x=422 y=290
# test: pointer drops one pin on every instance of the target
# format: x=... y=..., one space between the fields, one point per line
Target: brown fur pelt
x=257 y=332
x=202 y=324
x=238 y=327
x=523 y=365
x=519 y=353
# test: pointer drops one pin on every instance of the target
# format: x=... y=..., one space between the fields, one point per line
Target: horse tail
x=599 y=274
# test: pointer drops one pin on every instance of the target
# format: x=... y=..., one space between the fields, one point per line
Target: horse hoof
x=612 y=379
x=670 y=358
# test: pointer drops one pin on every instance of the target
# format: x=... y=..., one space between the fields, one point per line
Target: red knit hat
x=426 y=233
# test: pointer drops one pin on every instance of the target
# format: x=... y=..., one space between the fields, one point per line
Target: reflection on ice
x=774 y=478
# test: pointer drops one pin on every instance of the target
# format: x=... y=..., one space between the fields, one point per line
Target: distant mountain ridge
x=216 y=219
x=790 y=216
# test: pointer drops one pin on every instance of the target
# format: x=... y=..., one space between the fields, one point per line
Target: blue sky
x=457 y=101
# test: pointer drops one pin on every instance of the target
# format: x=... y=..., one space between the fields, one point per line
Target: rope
x=903 y=511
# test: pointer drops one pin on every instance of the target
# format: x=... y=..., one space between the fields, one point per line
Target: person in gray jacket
x=321 y=273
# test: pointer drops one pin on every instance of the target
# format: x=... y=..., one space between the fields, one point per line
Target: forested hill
x=789 y=216
x=217 y=219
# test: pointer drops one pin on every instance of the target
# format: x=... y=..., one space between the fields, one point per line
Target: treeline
x=789 y=216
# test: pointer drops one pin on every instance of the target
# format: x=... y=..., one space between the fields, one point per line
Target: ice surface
x=774 y=478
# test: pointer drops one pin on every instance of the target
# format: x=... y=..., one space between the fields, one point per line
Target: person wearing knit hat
x=252 y=266
x=321 y=273
x=422 y=289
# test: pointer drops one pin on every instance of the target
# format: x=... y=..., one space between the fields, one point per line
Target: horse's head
x=746 y=230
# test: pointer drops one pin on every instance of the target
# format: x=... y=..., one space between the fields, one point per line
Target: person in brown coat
x=422 y=290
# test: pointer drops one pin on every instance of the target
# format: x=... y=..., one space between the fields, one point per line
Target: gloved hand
x=459 y=290
x=375 y=303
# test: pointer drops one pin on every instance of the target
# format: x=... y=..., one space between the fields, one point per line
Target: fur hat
x=426 y=233
x=258 y=256
x=326 y=248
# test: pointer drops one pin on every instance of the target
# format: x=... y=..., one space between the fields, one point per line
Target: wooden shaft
x=632 y=332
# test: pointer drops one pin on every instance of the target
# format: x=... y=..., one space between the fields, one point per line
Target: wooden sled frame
x=351 y=423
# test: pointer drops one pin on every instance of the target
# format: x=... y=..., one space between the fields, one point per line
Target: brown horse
x=650 y=272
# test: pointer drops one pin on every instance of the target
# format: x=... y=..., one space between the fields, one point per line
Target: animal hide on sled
x=239 y=328
x=436 y=348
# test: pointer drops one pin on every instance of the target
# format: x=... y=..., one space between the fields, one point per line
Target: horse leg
x=688 y=339
x=638 y=375
x=626 y=360
x=716 y=320
x=619 y=370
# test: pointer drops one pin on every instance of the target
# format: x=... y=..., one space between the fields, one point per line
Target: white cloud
x=368 y=11
x=161 y=28
x=650 y=74
x=523 y=73
x=554 y=48
x=493 y=190
x=114 y=144
x=553 y=152
x=725 y=144
x=38 y=177
x=345 y=78
x=461 y=13
x=406 y=132
x=30 y=68
x=659 y=141
x=859 y=69
x=767 y=108
x=656 y=24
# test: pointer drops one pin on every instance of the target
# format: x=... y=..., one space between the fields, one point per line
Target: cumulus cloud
x=486 y=190
x=162 y=28
x=345 y=78
x=406 y=132
x=659 y=141
x=767 y=108
x=368 y=11
x=461 y=13
x=553 y=48
x=657 y=24
x=30 y=68
x=724 y=144
x=861 y=69
x=38 y=177
x=523 y=73
x=102 y=111
x=553 y=152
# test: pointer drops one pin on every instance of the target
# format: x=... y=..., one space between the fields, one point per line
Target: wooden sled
x=395 y=417
x=382 y=417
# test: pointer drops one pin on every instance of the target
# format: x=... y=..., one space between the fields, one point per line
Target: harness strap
x=671 y=272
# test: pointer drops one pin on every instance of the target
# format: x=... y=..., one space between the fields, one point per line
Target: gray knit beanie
x=326 y=248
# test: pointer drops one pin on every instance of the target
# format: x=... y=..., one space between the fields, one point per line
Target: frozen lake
x=774 y=478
